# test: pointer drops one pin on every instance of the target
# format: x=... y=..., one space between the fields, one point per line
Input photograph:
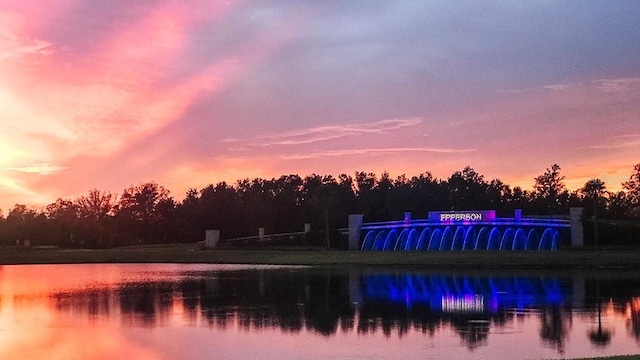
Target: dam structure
x=466 y=231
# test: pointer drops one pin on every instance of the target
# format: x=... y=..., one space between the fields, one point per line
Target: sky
x=110 y=94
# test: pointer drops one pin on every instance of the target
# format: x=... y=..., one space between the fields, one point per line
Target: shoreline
x=627 y=259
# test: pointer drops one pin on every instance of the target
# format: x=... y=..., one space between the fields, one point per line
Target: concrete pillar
x=518 y=215
x=211 y=238
x=355 y=294
x=578 y=295
x=577 y=231
x=307 y=227
x=355 y=228
x=407 y=218
x=261 y=234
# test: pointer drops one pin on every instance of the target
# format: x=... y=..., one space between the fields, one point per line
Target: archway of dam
x=462 y=238
x=472 y=232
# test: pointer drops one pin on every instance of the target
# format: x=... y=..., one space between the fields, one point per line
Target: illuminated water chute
x=520 y=240
x=412 y=240
x=390 y=240
x=549 y=239
x=462 y=238
x=435 y=240
x=507 y=239
x=494 y=239
x=469 y=239
x=447 y=239
x=367 y=244
x=424 y=239
x=378 y=244
x=402 y=242
x=482 y=241
x=458 y=239
x=533 y=239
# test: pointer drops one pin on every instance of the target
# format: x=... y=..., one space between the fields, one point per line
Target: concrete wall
x=355 y=230
x=212 y=237
x=577 y=231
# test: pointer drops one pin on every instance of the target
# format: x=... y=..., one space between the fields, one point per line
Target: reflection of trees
x=94 y=302
x=473 y=333
x=554 y=327
x=378 y=315
x=633 y=320
x=146 y=303
x=319 y=301
x=599 y=336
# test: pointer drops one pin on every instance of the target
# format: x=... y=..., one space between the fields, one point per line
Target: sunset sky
x=108 y=94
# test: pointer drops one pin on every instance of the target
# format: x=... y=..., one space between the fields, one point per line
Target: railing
x=560 y=223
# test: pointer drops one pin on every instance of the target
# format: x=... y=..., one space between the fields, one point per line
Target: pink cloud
x=95 y=121
x=327 y=132
x=93 y=99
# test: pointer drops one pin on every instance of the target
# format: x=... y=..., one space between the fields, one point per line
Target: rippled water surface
x=262 y=312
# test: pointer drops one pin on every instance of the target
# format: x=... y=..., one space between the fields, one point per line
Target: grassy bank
x=194 y=253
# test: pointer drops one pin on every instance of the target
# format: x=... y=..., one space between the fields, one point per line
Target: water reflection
x=633 y=318
x=482 y=312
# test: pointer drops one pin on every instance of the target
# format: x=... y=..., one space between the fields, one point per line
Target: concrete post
x=211 y=238
x=577 y=231
x=355 y=294
x=518 y=215
x=579 y=291
x=261 y=233
x=407 y=218
x=355 y=228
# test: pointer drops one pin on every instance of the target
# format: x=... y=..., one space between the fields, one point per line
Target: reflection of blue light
x=465 y=304
x=442 y=293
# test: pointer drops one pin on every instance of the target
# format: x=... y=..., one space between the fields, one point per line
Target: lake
x=196 y=311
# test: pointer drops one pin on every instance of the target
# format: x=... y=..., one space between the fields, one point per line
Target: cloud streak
x=619 y=142
x=323 y=133
x=42 y=169
x=371 y=151
x=13 y=47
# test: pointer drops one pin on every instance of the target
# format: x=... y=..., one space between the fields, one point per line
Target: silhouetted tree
x=147 y=212
x=550 y=193
x=592 y=192
x=498 y=197
x=23 y=223
x=632 y=186
x=368 y=202
x=95 y=211
x=63 y=217
x=428 y=194
x=467 y=190
x=138 y=208
x=217 y=208
x=96 y=204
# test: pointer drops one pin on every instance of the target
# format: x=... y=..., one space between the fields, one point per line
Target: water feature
x=470 y=230
x=461 y=238
x=159 y=311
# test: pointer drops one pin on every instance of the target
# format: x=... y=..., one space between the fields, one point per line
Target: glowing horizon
x=111 y=95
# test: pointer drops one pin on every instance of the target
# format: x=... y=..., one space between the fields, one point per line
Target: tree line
x=148 y=213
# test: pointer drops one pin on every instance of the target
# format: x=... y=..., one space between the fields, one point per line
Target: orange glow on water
x=149 y=312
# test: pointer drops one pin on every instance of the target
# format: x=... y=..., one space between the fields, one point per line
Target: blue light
x=496 y=234
x=462 y=293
